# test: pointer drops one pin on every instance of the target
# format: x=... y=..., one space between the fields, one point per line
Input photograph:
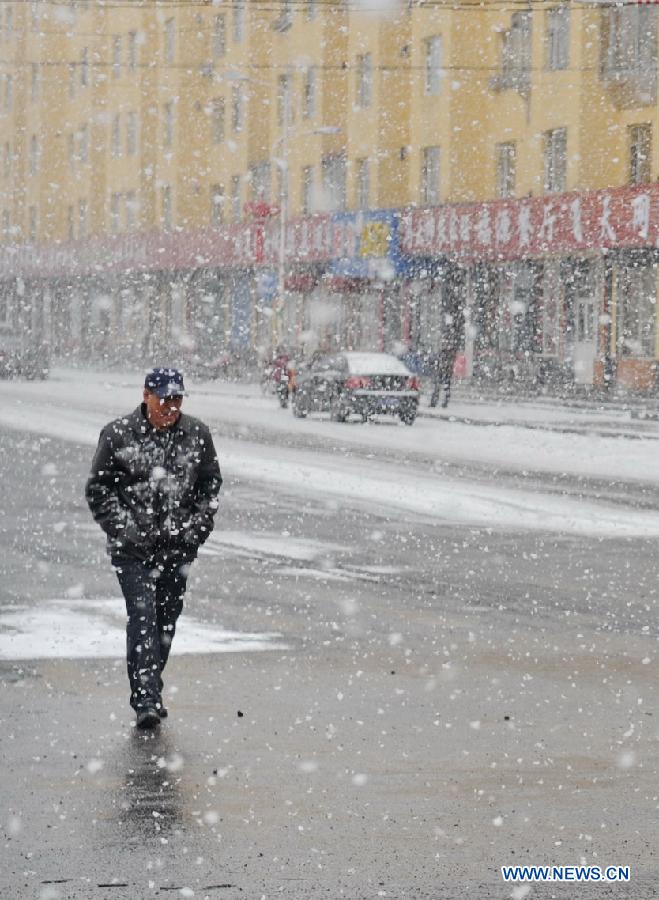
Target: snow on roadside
x=66 y=629
x=77 y=410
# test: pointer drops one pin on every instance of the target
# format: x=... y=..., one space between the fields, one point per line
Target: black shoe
x=148 y=718
x=163 y=712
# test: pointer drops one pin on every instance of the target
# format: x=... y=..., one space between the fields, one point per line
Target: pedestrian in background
x=440 y=369
x=153 y=489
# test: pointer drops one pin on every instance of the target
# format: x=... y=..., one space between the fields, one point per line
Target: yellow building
x=291 y=140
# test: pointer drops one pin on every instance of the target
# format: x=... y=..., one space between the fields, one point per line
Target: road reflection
x=150 y=802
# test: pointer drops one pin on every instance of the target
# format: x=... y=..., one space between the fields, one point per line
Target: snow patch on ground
x=66 y=629
x=274 y=544
x=384 y=486
x=316 y=574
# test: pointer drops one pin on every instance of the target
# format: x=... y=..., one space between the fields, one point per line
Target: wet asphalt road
x=449 y=700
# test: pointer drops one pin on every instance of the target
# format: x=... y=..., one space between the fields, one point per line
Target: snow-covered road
x=74 y=405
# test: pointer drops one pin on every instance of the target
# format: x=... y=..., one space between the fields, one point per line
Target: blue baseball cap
x=164 y=382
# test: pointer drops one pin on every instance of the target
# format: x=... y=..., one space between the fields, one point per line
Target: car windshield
x=375 y=364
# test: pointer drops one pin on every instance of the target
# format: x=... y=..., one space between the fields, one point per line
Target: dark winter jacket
x=154 y=492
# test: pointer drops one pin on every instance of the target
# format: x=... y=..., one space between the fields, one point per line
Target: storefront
x=554 y=290
x=136 y=296
x=559 y=289
x=354 y=298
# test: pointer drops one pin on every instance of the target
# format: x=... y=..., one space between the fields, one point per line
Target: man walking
x=440 y=369
x=153 y=490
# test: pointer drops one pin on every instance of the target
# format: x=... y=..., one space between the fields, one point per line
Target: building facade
x=183 y=181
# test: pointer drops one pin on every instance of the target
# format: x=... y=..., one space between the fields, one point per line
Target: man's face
x=162 y=413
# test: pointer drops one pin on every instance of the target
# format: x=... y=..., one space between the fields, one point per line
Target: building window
x=260 y=182
x=168 y=124
x=636 y=292
x=307 y=190
x=170 y=41
x=558 y=38
x=284 y=98
x=115 y=202
x=285 y=18
x=35 y=14
x=217 y=120
x=166 y=206
x=236 y=191
x=9 y=93
x=237 y=108
x=309 y=96
x=433 y=66
x=84 y=68
x=430 y=163
x=33 y=224
x=629 y=41
x=516 y=53
x=9 y=23
x=82 y=219
x=116 y=135
x=640 y=153
x=219 y=37
x=217 y=205
x=506 y=161
x=34 y=82
x=116 y=56
x=7 y=160
x=364 y=81
x=311 y=9
x=6 y=233
x=363 y=184
x=238 y=23
x=34 y=155
x=131 y=133
x=132 y=50
x=71 y=149
x=131 y=211
x=555 y=160
x=70 y=223
x=83 y=136
x=334 y=181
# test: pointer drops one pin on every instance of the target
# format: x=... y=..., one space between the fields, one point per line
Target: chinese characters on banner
x=539 y=226
x=497 y=229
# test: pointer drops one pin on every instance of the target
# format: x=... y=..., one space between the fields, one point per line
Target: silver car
x=354 y=383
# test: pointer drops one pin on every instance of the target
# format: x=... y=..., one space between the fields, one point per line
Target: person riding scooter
x=279 y=374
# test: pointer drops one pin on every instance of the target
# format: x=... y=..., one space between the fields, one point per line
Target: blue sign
x=377 y=252
x=266 y=285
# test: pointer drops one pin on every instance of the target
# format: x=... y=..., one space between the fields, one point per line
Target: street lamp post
x=283 y=143
x=284 y=193
x=283 y=212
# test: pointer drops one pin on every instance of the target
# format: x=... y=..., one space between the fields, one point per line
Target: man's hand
x=139 y=528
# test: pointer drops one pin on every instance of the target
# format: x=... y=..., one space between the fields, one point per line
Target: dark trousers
x=441 y=381
x=154 y=600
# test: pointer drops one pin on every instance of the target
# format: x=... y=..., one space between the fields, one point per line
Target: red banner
x=136 y=252
x=497 y=229
x=539 y=226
